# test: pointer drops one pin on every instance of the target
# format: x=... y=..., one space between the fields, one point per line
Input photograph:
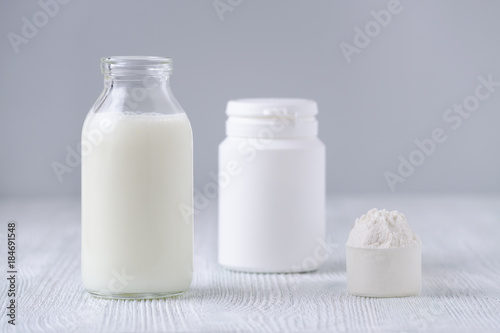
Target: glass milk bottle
x=137 y=184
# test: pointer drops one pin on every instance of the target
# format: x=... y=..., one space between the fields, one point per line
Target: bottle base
x=134 y=296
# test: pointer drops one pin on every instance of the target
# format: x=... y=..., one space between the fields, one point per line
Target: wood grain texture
x=461 y=274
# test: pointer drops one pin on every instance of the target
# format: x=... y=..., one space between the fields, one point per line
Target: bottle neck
x=140 y=83
x=137 y=76
x=137 y=85
x=139 y=95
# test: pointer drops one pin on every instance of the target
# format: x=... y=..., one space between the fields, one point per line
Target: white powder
x=382 y=229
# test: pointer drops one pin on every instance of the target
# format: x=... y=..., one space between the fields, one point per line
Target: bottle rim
x=136 y=65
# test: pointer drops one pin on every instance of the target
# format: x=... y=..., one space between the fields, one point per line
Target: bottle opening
x=136 y=65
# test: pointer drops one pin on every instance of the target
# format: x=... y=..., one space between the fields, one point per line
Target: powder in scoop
x=382 y=229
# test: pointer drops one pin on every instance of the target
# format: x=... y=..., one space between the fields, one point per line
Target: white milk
x=137 y=183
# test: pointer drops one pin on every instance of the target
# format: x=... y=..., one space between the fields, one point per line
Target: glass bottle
x=137 y=184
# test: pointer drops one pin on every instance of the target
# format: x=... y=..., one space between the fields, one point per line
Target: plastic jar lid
x=263 y=107
x=284 y=117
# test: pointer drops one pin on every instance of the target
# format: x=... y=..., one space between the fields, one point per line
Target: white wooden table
x=461 y=276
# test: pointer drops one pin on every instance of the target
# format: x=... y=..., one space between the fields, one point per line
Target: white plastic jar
x=272 y=187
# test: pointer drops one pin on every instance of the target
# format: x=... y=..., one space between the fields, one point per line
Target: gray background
x=394 y=91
